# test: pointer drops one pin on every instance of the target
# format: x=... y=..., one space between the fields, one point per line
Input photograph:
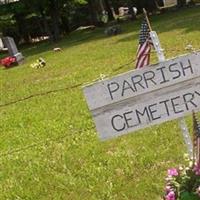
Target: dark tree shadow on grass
x=74 y=39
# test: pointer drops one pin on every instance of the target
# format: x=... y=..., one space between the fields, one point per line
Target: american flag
x=196 y=145
x=144 y=48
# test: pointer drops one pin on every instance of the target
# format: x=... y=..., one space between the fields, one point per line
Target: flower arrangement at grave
x=40 y=63
x=183 y=183
x=8 y=61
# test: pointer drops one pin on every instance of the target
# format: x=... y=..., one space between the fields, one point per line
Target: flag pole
x=147 y=19
x=161 y=58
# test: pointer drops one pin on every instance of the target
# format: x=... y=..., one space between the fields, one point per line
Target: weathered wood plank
x=149 y=109
x=137 y=82
x=141 y=98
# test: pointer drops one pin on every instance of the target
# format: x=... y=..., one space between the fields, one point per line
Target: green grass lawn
x=49 y=148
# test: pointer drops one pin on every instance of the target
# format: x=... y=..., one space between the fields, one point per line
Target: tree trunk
x=65 y=24
x=109 y=10
x=55 y=16
x=93 y=12
x=22 y=27
x=45 y=24
x=116 y=10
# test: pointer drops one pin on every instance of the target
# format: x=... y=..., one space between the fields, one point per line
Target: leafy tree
x=26 y=19
x=39 y=8
x=55 y=14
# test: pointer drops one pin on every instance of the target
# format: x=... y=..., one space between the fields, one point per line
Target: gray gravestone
x=12 y=48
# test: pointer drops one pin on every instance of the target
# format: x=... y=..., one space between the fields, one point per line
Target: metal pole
x=161 y=58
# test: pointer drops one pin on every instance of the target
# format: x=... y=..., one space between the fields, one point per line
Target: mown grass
x=49 y=148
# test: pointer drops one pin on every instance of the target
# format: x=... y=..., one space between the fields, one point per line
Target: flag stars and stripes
x=144 y=33
x=144 y=48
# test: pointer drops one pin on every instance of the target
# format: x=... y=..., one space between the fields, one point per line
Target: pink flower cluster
x=176 y=182
x=170 y=193
x=196 y=169
x=170 y=196
x=172 y=172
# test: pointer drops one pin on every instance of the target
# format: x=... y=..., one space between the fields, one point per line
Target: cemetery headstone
x=2 y=47
x=12 y=49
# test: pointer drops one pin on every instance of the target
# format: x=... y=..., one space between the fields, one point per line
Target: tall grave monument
x=9 y=43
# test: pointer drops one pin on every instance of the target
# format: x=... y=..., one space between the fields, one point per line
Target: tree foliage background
x=27 y=19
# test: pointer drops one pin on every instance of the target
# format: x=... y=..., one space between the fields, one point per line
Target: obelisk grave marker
x=141 y=98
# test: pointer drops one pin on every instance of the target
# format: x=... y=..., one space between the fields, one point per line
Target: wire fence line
x=40 y=94
x=60 y=138
x=62 y=89
x=190 y=49
x=42 y=143
x=36 y=144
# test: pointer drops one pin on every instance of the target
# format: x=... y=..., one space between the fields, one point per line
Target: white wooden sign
x=141 y=98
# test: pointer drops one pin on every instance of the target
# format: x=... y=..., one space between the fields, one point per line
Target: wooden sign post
x=141 y=98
